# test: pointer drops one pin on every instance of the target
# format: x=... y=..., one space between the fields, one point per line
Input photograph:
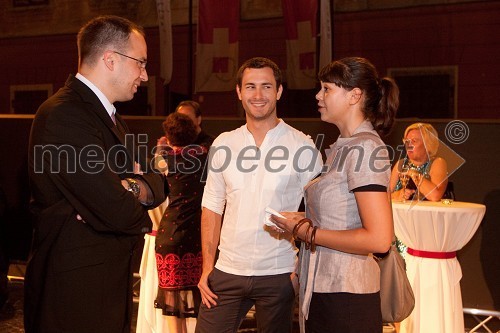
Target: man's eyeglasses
x=141 y=63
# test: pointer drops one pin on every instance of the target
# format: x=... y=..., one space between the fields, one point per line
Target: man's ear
x=109 y=59
x=238 y=91
x=280 y=91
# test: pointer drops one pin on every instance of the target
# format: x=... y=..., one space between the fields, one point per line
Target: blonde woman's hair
x=429 y=136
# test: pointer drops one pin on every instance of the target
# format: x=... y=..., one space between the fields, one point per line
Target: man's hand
x=295 y=282
x=207 y=296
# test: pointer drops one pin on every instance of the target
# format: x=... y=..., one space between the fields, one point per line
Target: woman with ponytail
x=348 y=211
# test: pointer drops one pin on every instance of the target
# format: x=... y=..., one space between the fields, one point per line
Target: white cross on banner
x=217 y=47
x=300 y=22
x=165 y=26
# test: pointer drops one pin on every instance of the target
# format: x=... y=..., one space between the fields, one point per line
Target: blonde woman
x=428 y=172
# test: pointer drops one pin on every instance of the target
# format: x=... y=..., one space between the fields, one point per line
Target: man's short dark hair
x=104 y=32
x=195 y=105
x=260 y=62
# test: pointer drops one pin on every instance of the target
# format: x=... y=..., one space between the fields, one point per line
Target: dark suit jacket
x=79 y=277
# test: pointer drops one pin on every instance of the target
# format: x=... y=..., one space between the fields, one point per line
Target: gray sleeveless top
x=352 y=162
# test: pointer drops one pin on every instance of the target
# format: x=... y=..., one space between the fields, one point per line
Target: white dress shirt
x=243 y=180
x=110 y=108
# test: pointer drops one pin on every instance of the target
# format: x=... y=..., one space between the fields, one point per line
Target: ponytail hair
x=381 y=96
x=385 y=114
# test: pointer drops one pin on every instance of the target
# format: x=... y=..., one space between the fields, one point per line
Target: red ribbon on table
x=432 y=255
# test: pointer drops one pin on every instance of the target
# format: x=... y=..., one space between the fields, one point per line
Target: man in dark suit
x=90 y=194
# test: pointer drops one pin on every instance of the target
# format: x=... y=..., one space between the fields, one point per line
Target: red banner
x=217 y=47
x=300 y=23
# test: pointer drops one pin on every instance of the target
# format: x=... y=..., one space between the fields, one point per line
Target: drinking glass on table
x=404 y=176
x=417 y=179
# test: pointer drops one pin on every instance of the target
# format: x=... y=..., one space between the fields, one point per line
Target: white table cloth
x=435 y=227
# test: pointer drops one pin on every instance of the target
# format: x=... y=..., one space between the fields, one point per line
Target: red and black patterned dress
x=178 y=241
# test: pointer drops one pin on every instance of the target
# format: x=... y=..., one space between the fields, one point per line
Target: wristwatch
x=133 y=186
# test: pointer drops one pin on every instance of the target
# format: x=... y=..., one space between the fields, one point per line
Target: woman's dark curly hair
x=179 y=129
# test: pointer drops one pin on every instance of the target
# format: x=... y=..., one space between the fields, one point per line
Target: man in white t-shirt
x=264 y=163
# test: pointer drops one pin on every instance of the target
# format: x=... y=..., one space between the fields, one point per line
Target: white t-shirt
x=243 y=180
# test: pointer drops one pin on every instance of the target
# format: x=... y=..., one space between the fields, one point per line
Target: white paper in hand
x=267 y=221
